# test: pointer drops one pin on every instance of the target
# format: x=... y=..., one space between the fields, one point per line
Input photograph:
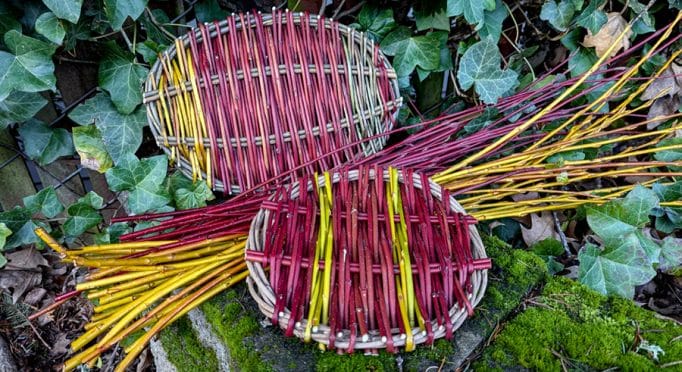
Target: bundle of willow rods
x=482 y=169
x=366 y=258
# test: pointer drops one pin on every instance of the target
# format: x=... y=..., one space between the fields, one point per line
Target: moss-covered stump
x=571 y=327
x=235 y=319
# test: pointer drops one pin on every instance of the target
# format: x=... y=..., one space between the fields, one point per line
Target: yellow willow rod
x=127 y=313
x=641 y=88
x=108 y=298
x=618 y=83
x=130 y=312
x=139 y=345
x=161 y=259
x=489 y=168
x=444 y=175
x=123 y=245
x=131 y=284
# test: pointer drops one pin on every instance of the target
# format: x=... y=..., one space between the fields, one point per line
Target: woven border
x=261 y=290
x=368 y=115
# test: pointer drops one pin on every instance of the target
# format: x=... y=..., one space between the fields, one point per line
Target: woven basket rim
x=261 y=291
x=367 y=146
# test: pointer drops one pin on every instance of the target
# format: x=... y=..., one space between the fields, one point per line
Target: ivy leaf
x=4 y=233
x=581 y=61
x=670 y=155
x=638 y=203
x=668 y=218
x=671 y=254
x=614 y=220
x=112 y=233
x=143 y=178
x=149 y=50
x=492 y=22
x=92 y=199
x=43 y=143
x=65 y=9
x=558 y=15
x=18 y=107
x=30 y=68
x=8 y=20
x=118 y=10
x=210 y=10
x=89 y=145
x=122 y=78
x=615 y=271
x=480 y=67
x=121 y=134
x=82 y=217
x=189 y=195
x=548 y=249
x=427 y=19
x=49 y=26
x=410 y=52
x=471 y=9
x=592 y=18
x=18 y=220
x=377 y=22
x=45 y=201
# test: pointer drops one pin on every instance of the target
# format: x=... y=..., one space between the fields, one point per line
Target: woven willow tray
x=244 y=100
x=393 y=284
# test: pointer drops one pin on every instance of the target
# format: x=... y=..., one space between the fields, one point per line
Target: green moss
x=329 y=361
x=184 y=350
x=233 y=324
x=575 y=327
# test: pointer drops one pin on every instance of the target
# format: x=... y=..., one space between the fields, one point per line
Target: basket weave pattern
x=241 y=101
x=364 y=259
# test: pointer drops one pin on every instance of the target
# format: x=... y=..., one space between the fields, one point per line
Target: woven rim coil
x=279 y=89
x=408 y=268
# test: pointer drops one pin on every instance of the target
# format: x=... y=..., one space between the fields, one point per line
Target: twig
x=562 y=236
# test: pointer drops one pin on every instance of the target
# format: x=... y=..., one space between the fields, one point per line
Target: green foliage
x=186 y=194
x=43 y=143
x=50 y=27
x=83 y=215
x=45 y=202
x=19 y=221
x=592 y=17
x=480 y=68
x=184 y=350
x=548 y=249
x=118 y=11
x=208 y=11
x=412 y=51
x=122 y=78
x=28 y=67
x=121 y=134
x=88 y=142
x=472 y=10
x=426 y=19
x=143 y=179
x=19 y=107
x=375 y=21
x=69 y=10
x=668 y=218
x=629 y=256
x=559 y=15
x=4 y=233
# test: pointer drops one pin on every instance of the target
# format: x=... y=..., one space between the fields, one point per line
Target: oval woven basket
x=407 y=264
x=244 y=100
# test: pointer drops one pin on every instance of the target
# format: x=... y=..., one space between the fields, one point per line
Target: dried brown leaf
x=662 y=107
x=668 y=83
x=608 y=35
x=541 y=228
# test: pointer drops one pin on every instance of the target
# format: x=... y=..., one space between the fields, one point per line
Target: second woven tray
x=366 y=258
x=244 y=100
